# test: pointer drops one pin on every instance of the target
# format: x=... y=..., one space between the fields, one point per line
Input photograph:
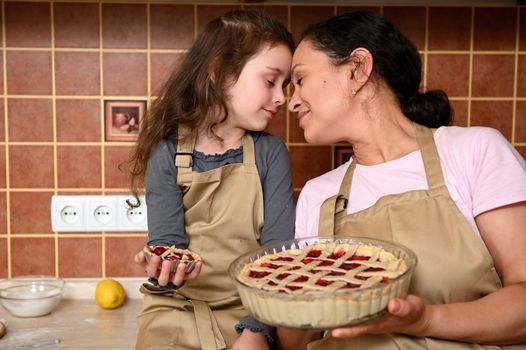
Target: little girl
x=215 y=182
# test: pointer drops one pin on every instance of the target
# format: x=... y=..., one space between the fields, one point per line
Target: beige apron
x=453 y=263
x=223 y=218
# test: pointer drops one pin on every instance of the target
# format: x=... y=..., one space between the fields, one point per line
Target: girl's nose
x=279 y=98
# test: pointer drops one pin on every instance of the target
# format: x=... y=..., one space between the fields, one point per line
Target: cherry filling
x=283 y=258
x=336 y=273
x=324 y=283
x=375 y=269
x=312 y=256
x=173 y=256
x=258 y=274
x=314 y=253
x=293 y=287
x=337 y=255
x=159 y=250
x=301 y=279
x=308 y=260
x=269 y=265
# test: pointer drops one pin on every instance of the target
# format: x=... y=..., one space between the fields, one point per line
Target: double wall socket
x=97 y=213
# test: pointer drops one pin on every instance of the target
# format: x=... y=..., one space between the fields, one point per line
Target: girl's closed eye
x=270 y=82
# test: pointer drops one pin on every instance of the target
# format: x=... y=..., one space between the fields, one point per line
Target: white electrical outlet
x=67 y=214
x=97 y=213
x=101 y=213
x=132 y=219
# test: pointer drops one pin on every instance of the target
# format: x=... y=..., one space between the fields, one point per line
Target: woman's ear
x=360 y=65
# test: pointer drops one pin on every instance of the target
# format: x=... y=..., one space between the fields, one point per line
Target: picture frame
x=123 y=119
x=342 y=154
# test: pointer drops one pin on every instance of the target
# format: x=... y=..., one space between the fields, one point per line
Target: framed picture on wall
x=342 y=154
x=123 y=119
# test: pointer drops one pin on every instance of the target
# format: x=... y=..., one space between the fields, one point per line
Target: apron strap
x=345 y=187
x=424 y=137
x=207 y=328
x=184 y=155
x=249 y=155
x=330 y=207
x=335 y=204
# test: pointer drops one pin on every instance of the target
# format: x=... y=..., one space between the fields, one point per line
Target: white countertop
x=78 y=321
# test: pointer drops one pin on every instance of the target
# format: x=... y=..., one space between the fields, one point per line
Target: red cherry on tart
x=173 y=254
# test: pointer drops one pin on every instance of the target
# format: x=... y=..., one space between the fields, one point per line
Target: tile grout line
x=515 y=79
x=148 y=57
x=116 y=50
x=149 y=51
x=54 y=125
x=426 y=47
x=102 y=133
x=70 y=189
x=470 y=74
x=287 y=112
x=6 y=149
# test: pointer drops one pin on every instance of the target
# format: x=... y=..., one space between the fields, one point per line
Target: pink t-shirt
x=481 y=169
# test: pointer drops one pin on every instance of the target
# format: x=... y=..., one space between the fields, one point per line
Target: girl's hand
x=408 y=316
x=160 y=270
x=249 y=340
x=140 y=259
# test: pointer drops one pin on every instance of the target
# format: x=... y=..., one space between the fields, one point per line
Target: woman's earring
x=353 y=92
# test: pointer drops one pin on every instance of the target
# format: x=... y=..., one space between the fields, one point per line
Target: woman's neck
x=386 y=136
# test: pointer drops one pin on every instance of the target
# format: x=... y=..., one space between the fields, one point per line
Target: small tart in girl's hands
x=173 y=254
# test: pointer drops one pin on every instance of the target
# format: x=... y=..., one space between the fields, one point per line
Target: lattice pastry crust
x=173 y=254
x=323 y=284
x=326 y=267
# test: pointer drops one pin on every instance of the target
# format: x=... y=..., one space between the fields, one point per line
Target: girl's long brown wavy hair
x=195 y=91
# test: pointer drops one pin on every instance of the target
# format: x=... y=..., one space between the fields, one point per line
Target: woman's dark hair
x=196 y=90
x=396 y=61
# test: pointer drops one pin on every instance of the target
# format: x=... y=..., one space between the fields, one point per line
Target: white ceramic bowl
x=31 y=296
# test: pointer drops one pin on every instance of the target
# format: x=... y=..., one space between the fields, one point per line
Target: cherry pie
x=324 y=284
x=173 y=254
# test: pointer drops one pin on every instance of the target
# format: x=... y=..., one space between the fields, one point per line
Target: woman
x=455 y=196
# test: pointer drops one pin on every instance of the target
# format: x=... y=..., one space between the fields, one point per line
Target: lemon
x=109 y=294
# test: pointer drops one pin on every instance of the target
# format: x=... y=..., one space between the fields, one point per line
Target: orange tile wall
x=61 y=60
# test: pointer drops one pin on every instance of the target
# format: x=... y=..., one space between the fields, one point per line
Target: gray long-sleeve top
x=165 y=202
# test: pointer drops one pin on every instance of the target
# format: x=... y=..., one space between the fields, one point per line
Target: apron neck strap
x=249 y=155
x=426 y=141
x=345 y=187
x=185 y=149
x=335 y=204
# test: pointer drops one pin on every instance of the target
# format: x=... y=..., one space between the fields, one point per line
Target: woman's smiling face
x=322 y=96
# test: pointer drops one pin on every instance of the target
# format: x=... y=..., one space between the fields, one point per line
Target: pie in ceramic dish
x=322 y=283
x=173 y=254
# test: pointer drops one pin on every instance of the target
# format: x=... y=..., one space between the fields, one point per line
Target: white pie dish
x=322 y=310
